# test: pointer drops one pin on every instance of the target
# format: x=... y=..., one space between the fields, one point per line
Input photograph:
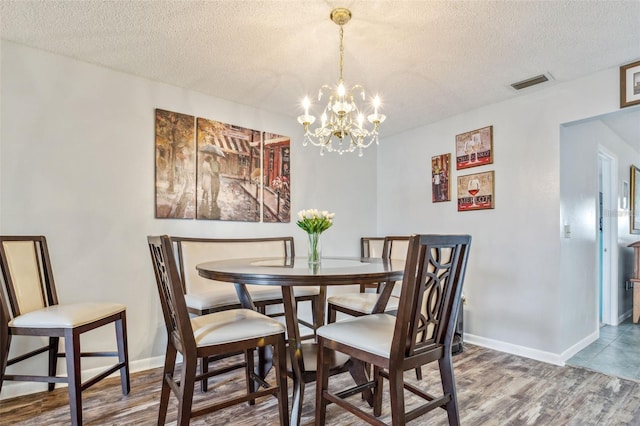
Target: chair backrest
x=395 y=247
x=192 y=251
x=174 y=307
x=432 y=287
x=27 y=275
x=371 y=246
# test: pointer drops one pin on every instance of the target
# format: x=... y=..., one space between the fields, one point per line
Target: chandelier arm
x=360 y=88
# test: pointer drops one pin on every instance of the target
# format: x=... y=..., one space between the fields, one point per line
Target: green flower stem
x=314 y=248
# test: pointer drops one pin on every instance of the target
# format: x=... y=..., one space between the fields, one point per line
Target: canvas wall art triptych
x=206 y=169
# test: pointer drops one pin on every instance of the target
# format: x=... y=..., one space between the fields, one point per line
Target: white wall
x=77 y=165
x=515 y=286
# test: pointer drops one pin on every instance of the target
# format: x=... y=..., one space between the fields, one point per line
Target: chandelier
x=342 y=123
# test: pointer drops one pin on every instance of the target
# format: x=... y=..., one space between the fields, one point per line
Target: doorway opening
x=607 y=237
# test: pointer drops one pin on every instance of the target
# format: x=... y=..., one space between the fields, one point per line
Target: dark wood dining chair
x=218 y=333
x=421 y=333
x=204 y=296
x=29 y=307
x=371 y=247
x=362 y=303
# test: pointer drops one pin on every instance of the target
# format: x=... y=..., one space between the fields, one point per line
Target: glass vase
x=315 y=249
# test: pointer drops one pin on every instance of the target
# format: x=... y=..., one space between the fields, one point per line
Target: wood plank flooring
x=494 y=388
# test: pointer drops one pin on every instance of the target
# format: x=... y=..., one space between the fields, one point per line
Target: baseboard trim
x=14 y=389
x=510 y=348
x=580 y=346
x=624 y=316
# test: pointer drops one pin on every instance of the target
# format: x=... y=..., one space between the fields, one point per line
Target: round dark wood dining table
x=287 y=272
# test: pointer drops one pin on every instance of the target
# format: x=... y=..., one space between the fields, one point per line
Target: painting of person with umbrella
x=210 y=183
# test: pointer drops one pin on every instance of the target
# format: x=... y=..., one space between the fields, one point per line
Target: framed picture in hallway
x=634 y=213
x=630 y=84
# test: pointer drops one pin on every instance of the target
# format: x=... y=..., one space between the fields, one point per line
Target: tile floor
x=616 y=352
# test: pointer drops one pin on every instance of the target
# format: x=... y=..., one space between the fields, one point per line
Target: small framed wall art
x=476 y=191
x=630 y=84
x=624 y=199
x=474 y=148
x=440 y=172
x=634 y=214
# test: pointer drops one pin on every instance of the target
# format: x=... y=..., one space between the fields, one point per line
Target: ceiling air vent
x=530 y=82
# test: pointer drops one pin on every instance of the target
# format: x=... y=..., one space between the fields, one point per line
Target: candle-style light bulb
x=376 y=104
x=306 y=103
x=341 y=90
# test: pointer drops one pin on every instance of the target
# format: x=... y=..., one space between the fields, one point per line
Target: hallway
x=616 y=352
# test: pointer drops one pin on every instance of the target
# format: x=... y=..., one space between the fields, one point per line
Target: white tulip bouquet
x=314 y=222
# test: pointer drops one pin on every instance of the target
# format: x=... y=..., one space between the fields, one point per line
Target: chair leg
x=187 y=383
x=262 y=361
x=264 y=352
x=331 y=314
x=167 y=374
x=377 y=393
x=5 y=344
x=123 y=353
x=449 y=387
x=320 y=302
x=419 y=373
x=322 y=382
x=72 y=354
x=204 y=369
x=251 y=384
x=281 y=378
x=53 y=360
x=396 y=392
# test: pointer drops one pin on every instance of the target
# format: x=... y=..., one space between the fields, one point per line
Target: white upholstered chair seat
x=233 y=325
x=362 y=302
x=370 y=333
x=66 y=316
x=224 y=294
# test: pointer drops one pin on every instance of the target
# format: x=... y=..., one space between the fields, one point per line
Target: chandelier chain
x=341 y=51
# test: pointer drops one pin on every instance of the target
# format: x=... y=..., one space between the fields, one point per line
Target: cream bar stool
x=29 y=307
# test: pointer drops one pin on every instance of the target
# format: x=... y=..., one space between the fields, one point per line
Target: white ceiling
x=427 y=59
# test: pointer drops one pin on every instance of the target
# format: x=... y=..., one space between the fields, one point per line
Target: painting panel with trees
x=175 y=165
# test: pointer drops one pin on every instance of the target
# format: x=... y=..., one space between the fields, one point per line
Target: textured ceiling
x=427 y=59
